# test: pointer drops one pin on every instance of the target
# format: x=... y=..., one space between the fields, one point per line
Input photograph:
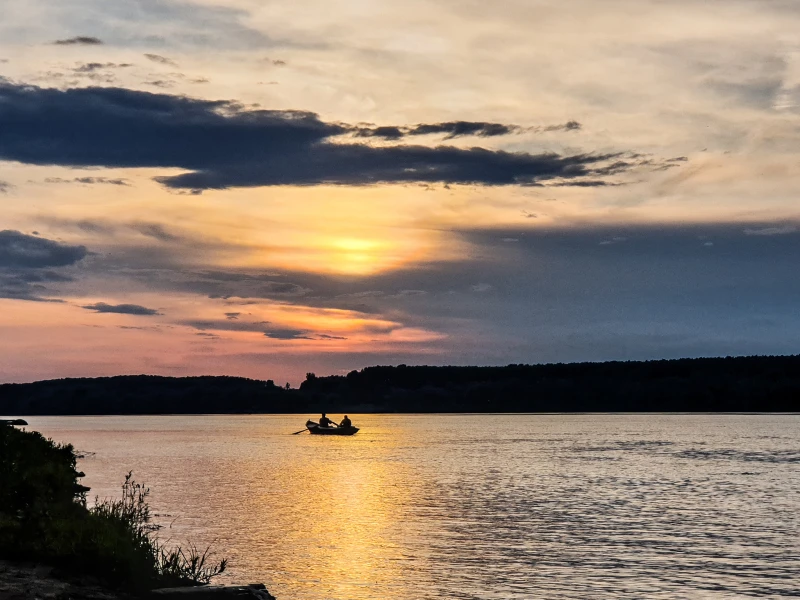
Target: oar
x=301 y=431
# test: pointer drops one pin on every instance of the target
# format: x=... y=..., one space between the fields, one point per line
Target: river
x=468 y=506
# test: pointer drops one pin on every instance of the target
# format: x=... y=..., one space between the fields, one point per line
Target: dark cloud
x=26 y=264
x=5 y=187
x=16 y=287
x=454 y=129
x=346 y=164
x=80 y=40
x=388 y=132
x=288 y=334
x=93 y=67
x=89 y=180
x=227 y=325
x=451 y=129
x=222 y=144
x=460 y=128
x=163 y=60
x=29 y=284
x=21 y=251
x=232 y=315
x=263 y=327
x=122 y=309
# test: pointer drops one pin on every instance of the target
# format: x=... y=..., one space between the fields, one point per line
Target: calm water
x=413 y=507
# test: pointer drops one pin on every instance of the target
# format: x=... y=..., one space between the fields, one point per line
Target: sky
x=266 y=189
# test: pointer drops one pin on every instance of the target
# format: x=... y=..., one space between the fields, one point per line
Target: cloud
x=89 y=180
x=80 y=40
x=227 y=325
x=27 y=263
x=454 y=129
x=96 y=66
x=263 y=327
x=5 y=187
x=451 y=129
x=161 y=83
x=780 y=230
x=157 y=58
x=155 y=231
x=288 y=334
x=21 y=251
x=221 y=144
x=617 y=239
x=388 y=132
x=122 y=309
x=568 y=126
x=232 y=315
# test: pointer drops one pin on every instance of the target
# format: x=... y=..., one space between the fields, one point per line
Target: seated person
x=346 y=422
x=324 y=421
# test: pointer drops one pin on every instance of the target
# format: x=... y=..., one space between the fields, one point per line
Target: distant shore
x=731 y=384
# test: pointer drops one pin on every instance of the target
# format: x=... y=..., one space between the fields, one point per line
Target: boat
x=317 y=430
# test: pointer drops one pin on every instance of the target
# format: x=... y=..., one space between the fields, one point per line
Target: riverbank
x=24 y=581
x=29 y=581
x=44 y=520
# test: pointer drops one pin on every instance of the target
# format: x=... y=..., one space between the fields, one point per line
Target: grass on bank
x=44 y=518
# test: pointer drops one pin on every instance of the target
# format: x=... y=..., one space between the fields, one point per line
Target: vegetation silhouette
x=44 y=518
x=731 y=384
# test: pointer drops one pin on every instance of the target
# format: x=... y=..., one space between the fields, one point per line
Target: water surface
x=451 y=506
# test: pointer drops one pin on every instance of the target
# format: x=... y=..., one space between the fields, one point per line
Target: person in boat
x=346 y=422
x=324 y=421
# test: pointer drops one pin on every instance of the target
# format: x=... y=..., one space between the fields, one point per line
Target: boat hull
x=315 y=429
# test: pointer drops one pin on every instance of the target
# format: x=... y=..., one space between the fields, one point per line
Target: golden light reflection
x=348 y=523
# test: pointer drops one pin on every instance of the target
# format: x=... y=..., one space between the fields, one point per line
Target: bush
x=43 y=517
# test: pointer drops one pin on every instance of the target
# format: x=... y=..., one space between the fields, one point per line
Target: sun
x=358 y=256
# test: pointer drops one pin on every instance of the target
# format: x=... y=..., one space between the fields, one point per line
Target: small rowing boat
x=317 y=430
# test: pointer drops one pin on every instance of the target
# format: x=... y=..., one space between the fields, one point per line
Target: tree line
x=732 y=384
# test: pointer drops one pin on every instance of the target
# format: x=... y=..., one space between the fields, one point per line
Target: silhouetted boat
x=317 y=430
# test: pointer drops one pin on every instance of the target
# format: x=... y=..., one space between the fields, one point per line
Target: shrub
x=43 y=517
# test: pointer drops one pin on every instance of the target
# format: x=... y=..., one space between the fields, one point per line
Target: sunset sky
x=266 y=188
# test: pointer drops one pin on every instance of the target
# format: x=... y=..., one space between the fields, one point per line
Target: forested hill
x=756 y=383
x=762 y=383
x=144 y=394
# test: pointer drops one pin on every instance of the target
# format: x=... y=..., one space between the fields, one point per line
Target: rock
x=254 y=591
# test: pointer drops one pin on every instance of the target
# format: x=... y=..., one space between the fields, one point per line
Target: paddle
x=306 y=429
